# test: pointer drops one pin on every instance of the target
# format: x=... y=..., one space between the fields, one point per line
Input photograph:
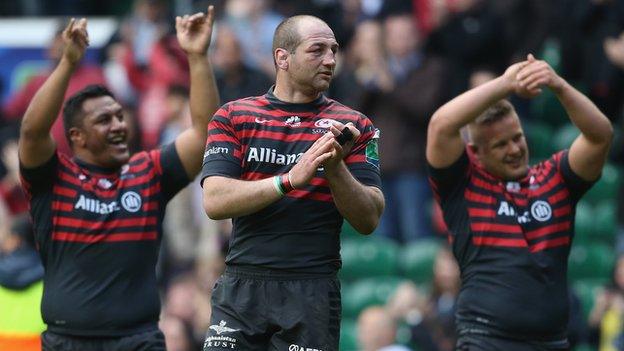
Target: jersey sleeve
x=576 y=185
x=169 y=165
x=363 y=160
x=444 y=180
x=223 y=148
x=40 y=179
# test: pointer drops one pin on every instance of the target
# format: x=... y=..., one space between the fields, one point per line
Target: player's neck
x=287 y=93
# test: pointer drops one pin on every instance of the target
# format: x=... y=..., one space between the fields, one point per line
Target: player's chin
x=120 y=158
x=517 y=172
x=323 y=83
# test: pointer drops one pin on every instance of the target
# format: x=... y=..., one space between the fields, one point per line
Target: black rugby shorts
x=258 y=310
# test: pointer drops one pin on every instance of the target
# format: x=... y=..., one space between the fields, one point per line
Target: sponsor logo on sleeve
x=215 y=150
x=372 y=150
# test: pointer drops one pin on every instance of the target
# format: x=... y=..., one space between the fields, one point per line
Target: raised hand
x=538 y=74
x=75 y=40
x=194 y=31
x=311 y=160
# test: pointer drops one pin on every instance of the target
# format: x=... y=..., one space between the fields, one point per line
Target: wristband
x=285 y=182
x=277 y=183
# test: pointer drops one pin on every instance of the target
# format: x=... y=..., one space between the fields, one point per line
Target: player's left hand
x=194 y=32
x=538 y=74
x=341 y=151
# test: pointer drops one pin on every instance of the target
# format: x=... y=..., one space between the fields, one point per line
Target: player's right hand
x=311 y=160
x=75 y=40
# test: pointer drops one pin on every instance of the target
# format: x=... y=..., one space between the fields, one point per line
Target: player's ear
x=282 y=58
x=77 y=137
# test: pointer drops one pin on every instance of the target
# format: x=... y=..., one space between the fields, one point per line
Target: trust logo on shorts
x=221 y=328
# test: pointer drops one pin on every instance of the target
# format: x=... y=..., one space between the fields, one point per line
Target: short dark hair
x=495 y=113
x=73 y=112
x=287 y=33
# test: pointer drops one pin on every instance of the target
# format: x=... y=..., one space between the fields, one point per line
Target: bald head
x=287 y=34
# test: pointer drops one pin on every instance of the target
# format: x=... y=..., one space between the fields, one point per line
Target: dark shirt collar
x=294 y=107
x=95 y=168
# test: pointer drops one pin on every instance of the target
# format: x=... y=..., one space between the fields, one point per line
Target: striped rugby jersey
x=98 y=232
x=512 y=241
x=259 y=137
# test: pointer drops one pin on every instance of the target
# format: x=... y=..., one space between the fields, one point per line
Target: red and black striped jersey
x=98 y=233
x=512 y=241
x=259 y=137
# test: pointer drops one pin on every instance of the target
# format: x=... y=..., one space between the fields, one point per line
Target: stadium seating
x=348 y=335
x=373 y=257
x=605 y=222
x=538 y=135
x=564 y=136
x=607 y=187
x=586 y=290
x=591 y=261
x=366 y=292
x=416 y=261
x=584 y=223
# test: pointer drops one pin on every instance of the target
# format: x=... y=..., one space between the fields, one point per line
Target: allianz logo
x=268 y=155
x=130 y=201
x=96 y=206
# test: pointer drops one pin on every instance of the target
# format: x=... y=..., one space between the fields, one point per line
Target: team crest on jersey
x=131 y=201
x=293 y=121
x=541 y=211
x=324 y=123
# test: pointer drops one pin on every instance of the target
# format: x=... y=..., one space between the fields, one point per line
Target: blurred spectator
x=153 y=61
x=431 y=318
x=254 y=23
x=21 y=285
x=84 y=75
x=526 y=24
x=187 y=302
x=377 y=330
x=593 y=27
x=469 y=37
x=235 y=79
x=444 y=292
x=400 y=98
x=607 y=315
x=146 y=25
x=177 y=335
x=11 y=192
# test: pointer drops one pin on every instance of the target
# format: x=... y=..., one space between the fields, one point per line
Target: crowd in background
x=399 y=61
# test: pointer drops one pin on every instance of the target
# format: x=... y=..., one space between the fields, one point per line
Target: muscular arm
x=444 y=142
x=359 y=204
x=36 y=145
x=230 y=198
x=589 y=150
x=194 y=36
